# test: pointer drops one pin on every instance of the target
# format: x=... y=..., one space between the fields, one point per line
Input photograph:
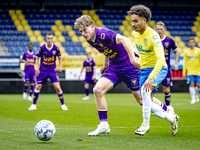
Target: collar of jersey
x=30 y=52
x=163 y=38
x=47 y=47
x=88 y=60
x=94 y=36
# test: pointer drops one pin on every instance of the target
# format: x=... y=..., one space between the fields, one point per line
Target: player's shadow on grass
x=43 y=142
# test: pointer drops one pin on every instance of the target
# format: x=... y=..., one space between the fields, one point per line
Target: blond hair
x=83 y=21
x=161 y=24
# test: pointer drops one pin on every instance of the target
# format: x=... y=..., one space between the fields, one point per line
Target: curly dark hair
x=141 y=11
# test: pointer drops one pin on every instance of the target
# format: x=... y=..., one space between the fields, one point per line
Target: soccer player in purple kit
x=90 y=66
x=47 y=69
x=29 y=70
x=168 y=44
x=120 y=66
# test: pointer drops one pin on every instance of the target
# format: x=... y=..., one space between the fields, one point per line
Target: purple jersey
x=48 y=57
x=168 y=44
x=105 y=42
x=89 y=65
x=29 y=57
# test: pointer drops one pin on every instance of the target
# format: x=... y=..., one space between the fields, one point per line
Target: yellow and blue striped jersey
x=192 y=61
x=150 y=50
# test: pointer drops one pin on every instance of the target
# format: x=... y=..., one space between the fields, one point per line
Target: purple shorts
x=43 y=76
x=88 y=79
x=129 y=77
x=29 y=77
x=167 y=80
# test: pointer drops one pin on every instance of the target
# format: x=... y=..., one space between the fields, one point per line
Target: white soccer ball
x=45 y=130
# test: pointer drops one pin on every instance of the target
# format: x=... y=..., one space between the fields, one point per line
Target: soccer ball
x=45 y=130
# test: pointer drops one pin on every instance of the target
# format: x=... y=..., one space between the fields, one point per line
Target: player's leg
x=197 y=80
x=156 y=110
x=56 y=83
x=166 y=87
x=103 y=85
x=166 y=90
x=32 y=81
x=41 y=79
x=192 y=89
x=86 y=88
x=26 y=85
x=36 y=95
x=60 y=95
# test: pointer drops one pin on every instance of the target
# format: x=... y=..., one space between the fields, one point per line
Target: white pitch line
x=110 y=127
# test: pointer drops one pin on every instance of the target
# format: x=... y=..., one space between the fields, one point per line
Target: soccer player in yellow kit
x=153 y=67
x=192 y=63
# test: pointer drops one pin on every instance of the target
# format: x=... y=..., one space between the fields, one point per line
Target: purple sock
x=60 y=96
x=31 y=89
x=25 y=88
x=164 y=107
x=102 y=116
x=167 y=98
x=36 y=95
x=87 y=92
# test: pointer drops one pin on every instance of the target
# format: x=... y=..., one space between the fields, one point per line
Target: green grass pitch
x=124 y=116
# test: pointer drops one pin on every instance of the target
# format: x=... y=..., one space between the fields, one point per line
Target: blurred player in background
x=120 y=66
x=168 y=44
x=153 y=67
x=191 y=66
x=90 y=66
x=47 y=69
x=29 y=70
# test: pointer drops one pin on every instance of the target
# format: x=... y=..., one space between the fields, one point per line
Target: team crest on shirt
x=168 y=80
x=54 y=52
x=134 y=83
x=90 y=63
x=166 y=44
x=145 y=40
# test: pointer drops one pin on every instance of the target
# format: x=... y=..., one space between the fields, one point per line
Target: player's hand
x=79 y=77
x=136 y=64
x=184 y=76
x=148 y=85
x=93 y=77
x=37 y=72
x=103 y=69
x=60 y=69
x=175 y=67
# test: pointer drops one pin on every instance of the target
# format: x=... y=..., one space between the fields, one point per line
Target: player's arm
x=81 y=71
x=184 y=65
x=94 y=73
x=37 y=66
x=176 y=60
x=126 y=42
x=23 y=59
x=105 y=66
x=60 y=64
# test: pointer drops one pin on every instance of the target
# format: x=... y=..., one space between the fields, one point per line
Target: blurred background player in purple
x=47 y=69
x=29 y=70
x=168 y=44
x=90 y=66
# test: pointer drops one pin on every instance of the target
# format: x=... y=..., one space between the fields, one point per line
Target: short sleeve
x=173 y=45
x=58 y=52
x=39 y=53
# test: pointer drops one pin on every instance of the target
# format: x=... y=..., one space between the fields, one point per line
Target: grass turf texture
x=124 y=115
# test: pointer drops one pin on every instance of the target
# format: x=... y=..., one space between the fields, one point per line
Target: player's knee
x=97 y=91
x=38 y=87
x=166 y=90
x=144 y=92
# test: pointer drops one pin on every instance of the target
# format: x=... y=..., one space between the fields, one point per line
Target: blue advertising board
x=9 y=61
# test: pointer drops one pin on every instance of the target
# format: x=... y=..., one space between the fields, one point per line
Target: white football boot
x=103 y=127
x=197 y=98
x=64 y=107
x=86 y=98
x=174 y=125
x=30 y=98
x=142 y=130
x=24 y=96
x=32 y=107
x=193 y=101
